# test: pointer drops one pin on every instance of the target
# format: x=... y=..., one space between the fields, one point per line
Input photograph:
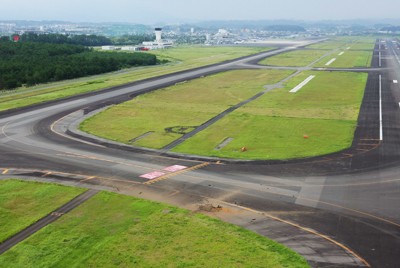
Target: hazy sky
x=152 y=11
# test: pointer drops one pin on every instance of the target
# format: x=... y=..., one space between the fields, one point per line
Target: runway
x=350 y=196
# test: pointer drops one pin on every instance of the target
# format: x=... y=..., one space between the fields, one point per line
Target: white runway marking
x=395 y=81
x=330 y=62
x=380 y=109
x=302 y=84
x=380 y=59
x=341 y=53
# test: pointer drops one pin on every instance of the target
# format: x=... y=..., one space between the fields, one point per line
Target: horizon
x=279 y=21
x=176 y=11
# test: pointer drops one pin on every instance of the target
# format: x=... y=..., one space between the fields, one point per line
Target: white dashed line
x=302 y=84
x=330 y=62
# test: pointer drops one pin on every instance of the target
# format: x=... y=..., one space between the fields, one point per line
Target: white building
x=108 y=48
x=130 y=48
x=159 y=43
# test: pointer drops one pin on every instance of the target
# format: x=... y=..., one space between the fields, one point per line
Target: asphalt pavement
x=349 y=197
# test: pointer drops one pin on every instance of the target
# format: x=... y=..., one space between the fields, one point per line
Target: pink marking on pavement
x=152 y=175
x=174 y=168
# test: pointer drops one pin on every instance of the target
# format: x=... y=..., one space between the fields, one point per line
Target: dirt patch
x=210 y=208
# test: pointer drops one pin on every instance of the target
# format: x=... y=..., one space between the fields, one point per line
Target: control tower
x=158 y=32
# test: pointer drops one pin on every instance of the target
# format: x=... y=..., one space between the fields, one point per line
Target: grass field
x=329 y=45
x=362 y=46
x=195 y=56
x=354 y=42
x=185 y=105
x=271 y=138
x=349 y=59
x=22 y=204
x=330 y=95
x=273 y=127
x=294 y=58
x=181 y=58
x=111 y=230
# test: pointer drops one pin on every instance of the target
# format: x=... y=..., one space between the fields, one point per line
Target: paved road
x=350 y=196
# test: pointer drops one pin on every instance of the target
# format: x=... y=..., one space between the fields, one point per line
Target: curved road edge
x=319 y=250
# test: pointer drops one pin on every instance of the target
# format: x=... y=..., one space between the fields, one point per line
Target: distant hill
x=285 y=28
x=392 y=29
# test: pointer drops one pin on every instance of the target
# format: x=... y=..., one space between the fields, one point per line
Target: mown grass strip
x=181 y=58
x=294 y=58
x=22 y=203
x=271 y=138
x=111 y=230
x=350 y=59
x=319 y=119
x=170 y=113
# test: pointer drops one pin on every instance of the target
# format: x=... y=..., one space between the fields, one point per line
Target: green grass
x=24 y=203
x=271 y=138
x=348 y=60
x=188 y=104
x=273 y=127
x=294 y=58
x=362 y=46
x=198 y=56
x=111 y=230
x=181 y=58
x=330 y=95
x=354 y=42
x=329 y=45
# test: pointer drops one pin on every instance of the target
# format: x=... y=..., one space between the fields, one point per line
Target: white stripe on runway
x=330 y=62
x=380 y=109
x=302 y=84
x=395 y=81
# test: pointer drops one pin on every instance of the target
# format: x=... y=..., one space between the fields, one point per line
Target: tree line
x=132 y=39
x=29 y=63
x=84 y=40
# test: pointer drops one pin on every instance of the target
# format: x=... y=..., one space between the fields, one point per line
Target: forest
x=29 y=63
x=84 y=40
x=132 y=39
